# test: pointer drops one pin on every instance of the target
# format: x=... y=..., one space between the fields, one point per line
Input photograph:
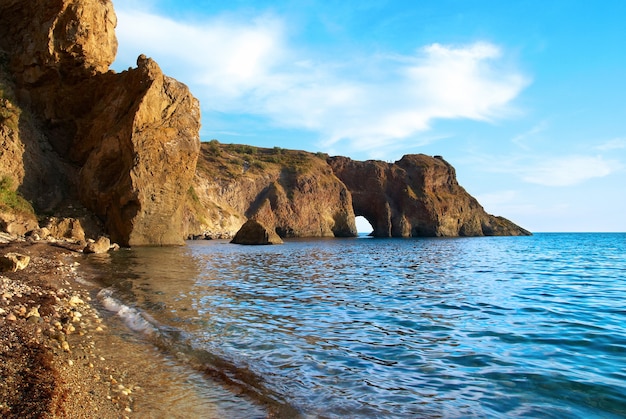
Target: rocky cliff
x=416 y=196
x=300 y=194
x=295 y=193
x=73 y=133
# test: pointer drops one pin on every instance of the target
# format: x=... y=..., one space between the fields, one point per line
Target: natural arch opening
x=362 y=225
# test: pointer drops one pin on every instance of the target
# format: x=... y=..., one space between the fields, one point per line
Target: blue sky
x=526 y=99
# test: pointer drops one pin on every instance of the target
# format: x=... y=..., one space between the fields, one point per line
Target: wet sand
x=60 y=359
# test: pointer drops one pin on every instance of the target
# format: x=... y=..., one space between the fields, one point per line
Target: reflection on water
x=151 y=291
x=527 y=327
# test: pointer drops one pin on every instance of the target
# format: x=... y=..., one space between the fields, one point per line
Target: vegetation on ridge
x=234 y=160
x=10 y=199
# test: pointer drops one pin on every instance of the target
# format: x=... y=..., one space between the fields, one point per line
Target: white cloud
x=225 y=58
x=566 y=170
x=372 y=103
x=614 y=144
x=493 y=199
x=569 y=170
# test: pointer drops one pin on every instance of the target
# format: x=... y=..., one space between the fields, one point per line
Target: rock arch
x=414 y=197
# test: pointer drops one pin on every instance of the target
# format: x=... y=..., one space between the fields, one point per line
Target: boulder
x=102 y=245
x=254 y=233
x=17 y=223
x=63 y=229
x=13 y=262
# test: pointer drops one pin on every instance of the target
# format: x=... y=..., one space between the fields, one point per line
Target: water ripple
x=485 y=327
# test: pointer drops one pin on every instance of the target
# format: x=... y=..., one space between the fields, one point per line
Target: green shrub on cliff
x=10 y=200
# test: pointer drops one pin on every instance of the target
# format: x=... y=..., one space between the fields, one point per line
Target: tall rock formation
x=125 y=145
x=416 y=196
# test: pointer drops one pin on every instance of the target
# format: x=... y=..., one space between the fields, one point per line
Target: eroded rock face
x=125 y=145
x=299 y=194
x=53 y=40
x=416 y=196
x=291 y=192
x=138 y=165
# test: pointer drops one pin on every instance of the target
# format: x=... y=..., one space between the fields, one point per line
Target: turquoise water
x=465 y=327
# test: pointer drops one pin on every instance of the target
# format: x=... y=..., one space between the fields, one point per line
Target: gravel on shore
x=58 y=358
x=50 y=365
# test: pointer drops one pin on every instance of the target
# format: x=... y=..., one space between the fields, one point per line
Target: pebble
x=33 y=312
x=11 y=317
x=76 y=301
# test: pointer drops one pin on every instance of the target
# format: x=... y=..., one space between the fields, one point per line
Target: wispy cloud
x=224 y=58
x=568 y=170
x=548 y=171
x=614 y=144
x=359 y=103
x=521 y=139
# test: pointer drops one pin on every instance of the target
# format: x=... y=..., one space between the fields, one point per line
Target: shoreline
x=59 y=357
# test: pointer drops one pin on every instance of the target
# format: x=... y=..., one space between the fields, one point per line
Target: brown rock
x=254 y=233
x=139 y=164
x=102 y=245
x=65 y=228
x=292 y=192
x=13 y=262
x=416 y=196
x=128 y=142
x=58 y=39
x=17 y=223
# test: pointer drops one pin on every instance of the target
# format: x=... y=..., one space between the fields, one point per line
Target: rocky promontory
x=417 y=196
x=301 y=194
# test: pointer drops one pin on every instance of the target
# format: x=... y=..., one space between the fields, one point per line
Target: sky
x=525 y=98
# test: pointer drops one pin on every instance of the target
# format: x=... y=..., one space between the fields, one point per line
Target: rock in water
x=102 y=245
x=253 y=232
x=417 y=196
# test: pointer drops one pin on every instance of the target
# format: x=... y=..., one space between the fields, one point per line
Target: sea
x=484 y=327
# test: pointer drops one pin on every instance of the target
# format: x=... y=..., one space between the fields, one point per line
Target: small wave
x=132 y=318
x=180 y=345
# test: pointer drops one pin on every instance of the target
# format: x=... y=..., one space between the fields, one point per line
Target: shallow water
x=472 y=327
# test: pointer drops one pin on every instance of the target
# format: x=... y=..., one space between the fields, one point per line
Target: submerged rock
x=254 y=233
x=102 y=245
